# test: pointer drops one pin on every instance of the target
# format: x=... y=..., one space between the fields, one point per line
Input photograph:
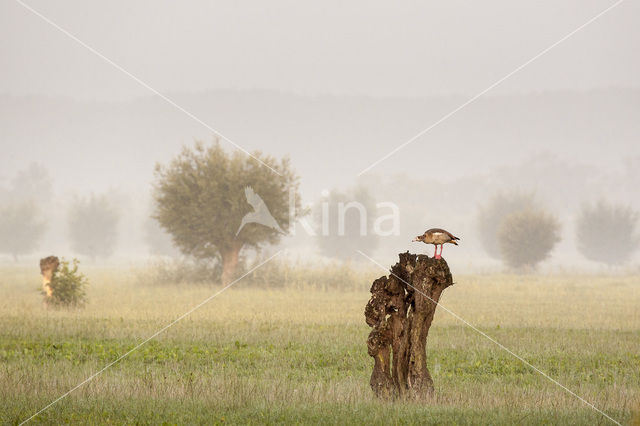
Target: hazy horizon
x=336 y=88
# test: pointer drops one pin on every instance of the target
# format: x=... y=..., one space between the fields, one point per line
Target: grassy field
x=296 y=355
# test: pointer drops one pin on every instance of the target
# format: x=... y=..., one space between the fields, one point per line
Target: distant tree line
x=93 y=226
x=22 y=211
x=517 y=230
x=344 y=223
x=200 y=201
x=92 y=223
x=606 y=233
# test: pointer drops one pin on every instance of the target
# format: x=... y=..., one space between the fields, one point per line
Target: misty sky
x=364 y=47
x=335 y=86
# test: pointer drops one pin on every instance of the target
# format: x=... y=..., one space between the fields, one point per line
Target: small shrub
x=607 y=233
x=180 y=271
x=526 y=238
x=67 y=286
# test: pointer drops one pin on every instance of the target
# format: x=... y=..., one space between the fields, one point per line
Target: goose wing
x=442 y=231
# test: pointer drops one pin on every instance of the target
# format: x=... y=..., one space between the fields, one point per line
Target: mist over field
x=125 y=130
x=569 y=148
x=565 y=127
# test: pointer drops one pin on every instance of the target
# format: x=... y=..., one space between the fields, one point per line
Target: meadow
x=297 y=353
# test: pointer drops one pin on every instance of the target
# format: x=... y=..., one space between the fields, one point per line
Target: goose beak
x=415 y=240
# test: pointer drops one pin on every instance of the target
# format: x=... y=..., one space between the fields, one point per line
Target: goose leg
x=435 y=253
x=441 y=248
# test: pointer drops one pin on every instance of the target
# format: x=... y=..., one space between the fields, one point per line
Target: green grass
x=299 y=356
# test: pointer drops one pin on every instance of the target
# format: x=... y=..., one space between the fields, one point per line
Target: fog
x=336 y=88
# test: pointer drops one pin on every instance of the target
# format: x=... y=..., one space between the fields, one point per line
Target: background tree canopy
x=335 y=208
x=527 y=237
x=200 y=200
x=607 y=233
x=494 y=212
x=22 y=221
x=93 y=226
x=21 y=228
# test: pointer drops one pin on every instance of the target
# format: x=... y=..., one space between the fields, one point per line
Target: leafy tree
x=21 y=228
x=527 y=237
x=202 y=196
x=493 y=213
x=67 y=286
x=344 y=223
x=607 y=233
x=93 y=226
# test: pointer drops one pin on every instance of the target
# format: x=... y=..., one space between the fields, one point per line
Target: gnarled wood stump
x=48 y=267
x=400 y=312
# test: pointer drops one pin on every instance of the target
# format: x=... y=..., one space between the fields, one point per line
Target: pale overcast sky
x=330 y=47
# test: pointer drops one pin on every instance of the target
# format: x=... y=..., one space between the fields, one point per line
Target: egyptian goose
x=437 y=237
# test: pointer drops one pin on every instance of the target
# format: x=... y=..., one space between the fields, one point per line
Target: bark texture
x=400 y=313
x=48 y=266
x=230 y=259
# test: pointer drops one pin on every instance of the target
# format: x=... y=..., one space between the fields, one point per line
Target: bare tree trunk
x=230 y=260
x=400 y=312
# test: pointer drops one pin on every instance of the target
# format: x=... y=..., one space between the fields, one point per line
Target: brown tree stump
x=400 y=312
x=48 y=266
